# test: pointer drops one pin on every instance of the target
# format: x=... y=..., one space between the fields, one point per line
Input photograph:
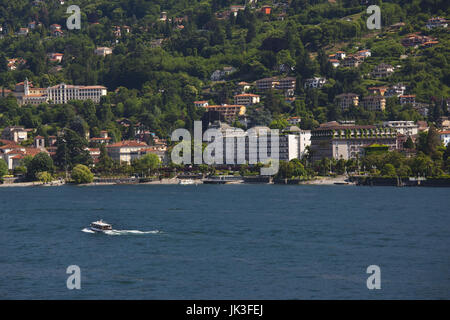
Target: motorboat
x=100 y=226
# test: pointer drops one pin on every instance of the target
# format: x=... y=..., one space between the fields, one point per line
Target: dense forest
x=157 y=85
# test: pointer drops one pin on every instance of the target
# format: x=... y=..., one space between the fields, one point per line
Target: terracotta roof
x=127 y=143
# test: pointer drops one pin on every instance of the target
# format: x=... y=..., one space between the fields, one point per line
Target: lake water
x=225 y=242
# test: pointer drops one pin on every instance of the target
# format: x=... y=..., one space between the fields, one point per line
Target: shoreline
x=318 y=181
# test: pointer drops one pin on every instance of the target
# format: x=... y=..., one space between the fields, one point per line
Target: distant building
x=383 y=70
x=293 y=143
x=55 y=57
x=315 y=82
x=63 y=93
x=126 y=151
x=228 y=112
x=352 y=61
x=23 y=32
x=201 y=104
x=437 y=22
x=338 y=141
x=379 y=91
x=407 y=128
x=374 y=103
x=445 y=137
x=294 y=120
x=220 y=75
x=396 y=90
x=364 y=53
x=334 y=62
x=246 y=99
x=266 y=10
x=408 y=99
x=15 y=133
x=103 y=51
x=346 y=101
x=287 y=83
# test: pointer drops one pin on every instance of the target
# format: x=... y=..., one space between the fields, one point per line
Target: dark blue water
x=225 y=242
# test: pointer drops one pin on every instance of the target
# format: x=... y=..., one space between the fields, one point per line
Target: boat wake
x=123 y=232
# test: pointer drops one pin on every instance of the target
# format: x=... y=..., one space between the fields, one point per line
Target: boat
x=186 y=181
x=100 y=226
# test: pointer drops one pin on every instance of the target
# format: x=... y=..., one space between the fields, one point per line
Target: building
x=443 y=122
x=352 y=61
x=227 y=111
x=383 y=70
x=234 y=9
x=335 y=62
x=338 y=141
x=244 y=86
x=13 y=154
x=396 y=90
x=295 y=121
x=103 y=139
x=293 y=143
x=437 y=22
x=126 y=151
x=415 y=39
x=315 y=82
x=287 y=83
x=364 y=53
x=374 y=103
x=220 y=75
x=201 y=104
x=23 y=31
x=55 y=57
x=103 y=51
x=347 y=100
x=56 y=30
x=246 y=99
x=445 y=137
x=379 y=91
x=266 y=10
x=63 y=93
x=15 y=133
x=407 y=128
x=407 y=99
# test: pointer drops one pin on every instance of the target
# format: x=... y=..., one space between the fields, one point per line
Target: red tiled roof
x=127 y=143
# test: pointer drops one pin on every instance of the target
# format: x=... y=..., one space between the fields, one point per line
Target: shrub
x=82 y=174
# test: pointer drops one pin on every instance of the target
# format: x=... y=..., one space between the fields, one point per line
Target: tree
x=82 y=174
x=409 y=144
x=40 y=163
x=149 y=162
x=71 y=150
x=44 y=177
x=105 y=162
x=3 y=168
x=388 y=170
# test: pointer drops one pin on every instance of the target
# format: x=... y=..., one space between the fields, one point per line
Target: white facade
x=407 y=128
x=445 y=137
x=315 y=82
x=246 y=99
x=63 y=93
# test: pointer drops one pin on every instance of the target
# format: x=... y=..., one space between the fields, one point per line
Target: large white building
x=407 y=128
x=294 y=143
x=63 y=93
